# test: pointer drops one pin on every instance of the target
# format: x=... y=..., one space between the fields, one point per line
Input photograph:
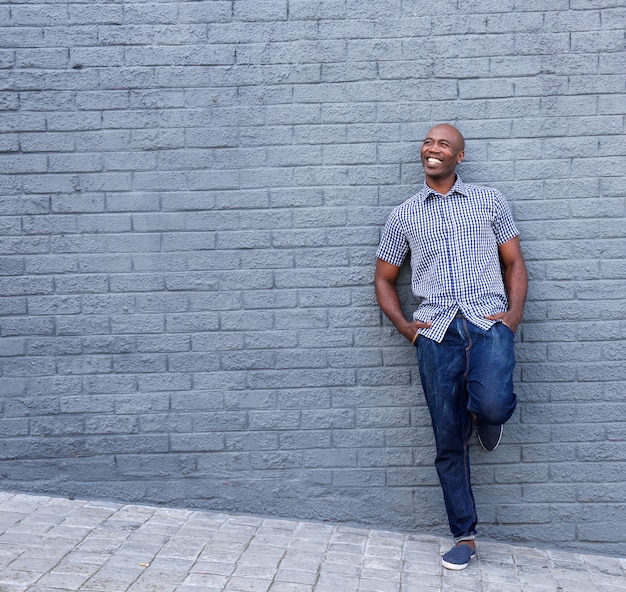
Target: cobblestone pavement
x=53 y=544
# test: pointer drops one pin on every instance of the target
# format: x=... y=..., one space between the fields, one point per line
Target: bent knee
x=497 y=414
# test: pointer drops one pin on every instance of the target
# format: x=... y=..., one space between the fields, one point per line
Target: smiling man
x=468 y=272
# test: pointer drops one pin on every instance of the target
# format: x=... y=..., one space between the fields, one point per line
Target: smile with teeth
x=432 y=159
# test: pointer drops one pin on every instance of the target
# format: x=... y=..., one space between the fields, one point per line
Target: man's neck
x=441 y=186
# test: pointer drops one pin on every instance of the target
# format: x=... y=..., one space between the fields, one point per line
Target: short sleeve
x=393 y=247
x=503 y=226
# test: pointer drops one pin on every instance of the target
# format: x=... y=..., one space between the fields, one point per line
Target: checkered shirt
x=453 y=240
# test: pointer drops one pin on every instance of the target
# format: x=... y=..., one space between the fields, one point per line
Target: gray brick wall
x=190 y=202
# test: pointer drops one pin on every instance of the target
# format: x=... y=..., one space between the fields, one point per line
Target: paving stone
x=293 y=576
x=62 y=581
x=290 y=587
x=237 y=584
x=604 y=565
x=14 y=576
x=206 y=579
x=500 y=587
x=375 y=585
x=117 y=548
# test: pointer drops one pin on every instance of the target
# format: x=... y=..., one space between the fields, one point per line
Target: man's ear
x=461 y=157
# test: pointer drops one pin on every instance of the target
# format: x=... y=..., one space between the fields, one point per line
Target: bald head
x=451 y=132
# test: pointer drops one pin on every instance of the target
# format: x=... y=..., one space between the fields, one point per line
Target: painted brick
x=192 y=199
x=250 y=10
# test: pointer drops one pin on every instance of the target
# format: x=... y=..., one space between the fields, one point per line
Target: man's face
x=441 y=152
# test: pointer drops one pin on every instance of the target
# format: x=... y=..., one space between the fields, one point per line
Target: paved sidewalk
x=53 y=544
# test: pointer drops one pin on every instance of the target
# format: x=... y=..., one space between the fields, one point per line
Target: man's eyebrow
x=442 y=141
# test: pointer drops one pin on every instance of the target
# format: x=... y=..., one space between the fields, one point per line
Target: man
x=468 y=271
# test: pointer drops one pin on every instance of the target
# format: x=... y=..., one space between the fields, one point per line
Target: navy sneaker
x=489 y=436
x=458 y=557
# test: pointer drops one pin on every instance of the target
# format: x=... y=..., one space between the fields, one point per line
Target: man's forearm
x=387 y=295
x=389 y=302
x=516 y=282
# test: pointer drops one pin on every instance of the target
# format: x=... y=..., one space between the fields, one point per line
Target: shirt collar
x=458 y=187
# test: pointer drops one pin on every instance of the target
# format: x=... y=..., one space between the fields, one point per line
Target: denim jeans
x=470 y=373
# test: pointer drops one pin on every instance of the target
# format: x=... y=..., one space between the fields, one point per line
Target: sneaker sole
x=454 y=566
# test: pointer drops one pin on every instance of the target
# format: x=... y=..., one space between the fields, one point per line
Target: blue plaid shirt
x=453 y=240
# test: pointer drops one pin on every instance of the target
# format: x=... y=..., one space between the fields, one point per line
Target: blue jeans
x=470 y=373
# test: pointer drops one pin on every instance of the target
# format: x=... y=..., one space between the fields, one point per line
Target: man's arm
x=515 y=281
x=389 y=301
